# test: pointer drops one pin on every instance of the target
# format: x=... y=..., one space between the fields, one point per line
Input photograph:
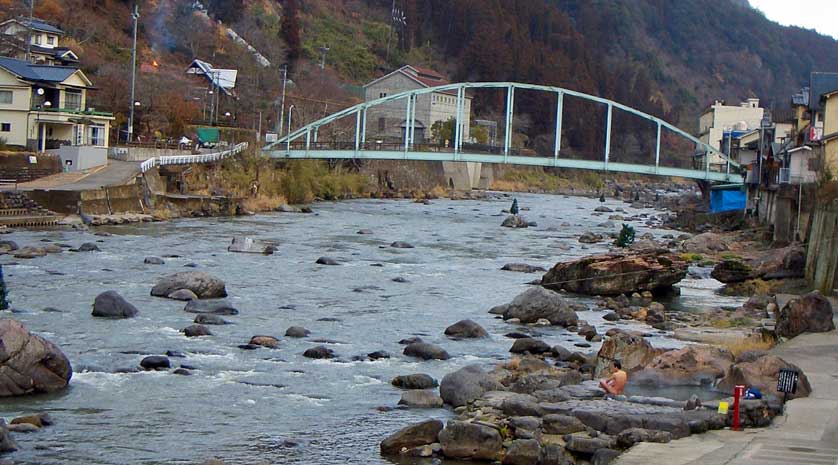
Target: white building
x=43 y=41
x=719 y=118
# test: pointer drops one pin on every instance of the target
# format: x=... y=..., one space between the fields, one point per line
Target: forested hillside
x=669 y=58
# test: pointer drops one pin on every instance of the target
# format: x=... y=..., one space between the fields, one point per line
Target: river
x=275 y=406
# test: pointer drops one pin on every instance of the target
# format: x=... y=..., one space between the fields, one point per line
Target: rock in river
x=297 y=331
x=632 y=351
x=204 y=285
x=196 y=331
x=465 y=329
x=401 y=245
x=414 y=381
x=463 y=440
x=155 y=362
x=7 y=444
x=210 y=319
x=515 y=221
x=522 y=268
x=154 y=261
x=216 y=307
x=426 y=351
x=250 y=245
x=538 y=303
x=327 y=261
x=29 y=363
x=87 y=247
x=265 y=341
x=319 y=352
x=467 y=384
x=420 y=398
x=530 y=345
x=412 y=436
x=811 y=313
x=110 y=304
x=618 y=273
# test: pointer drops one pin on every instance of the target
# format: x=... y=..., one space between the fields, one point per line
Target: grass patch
x=732 y=323
x=739 y=345
x=692 y=257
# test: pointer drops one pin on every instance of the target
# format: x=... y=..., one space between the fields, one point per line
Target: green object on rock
x=626 y=236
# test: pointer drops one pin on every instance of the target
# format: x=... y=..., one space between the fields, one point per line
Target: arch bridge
x=704 y=163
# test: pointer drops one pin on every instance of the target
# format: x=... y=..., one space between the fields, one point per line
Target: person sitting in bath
x=615 y=383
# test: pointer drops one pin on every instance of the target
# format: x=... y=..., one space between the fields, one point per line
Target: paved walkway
x=115 y=173
x=807 y=434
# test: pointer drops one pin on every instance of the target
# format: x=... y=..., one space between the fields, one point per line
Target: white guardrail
x=190 y=159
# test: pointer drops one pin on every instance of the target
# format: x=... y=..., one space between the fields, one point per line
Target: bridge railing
x=306 y=138
x=191 y=159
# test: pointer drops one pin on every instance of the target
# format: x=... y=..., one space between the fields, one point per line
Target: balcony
x=88 y=112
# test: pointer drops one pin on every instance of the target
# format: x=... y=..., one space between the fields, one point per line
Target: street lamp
x=288 y=141
x=47 y=104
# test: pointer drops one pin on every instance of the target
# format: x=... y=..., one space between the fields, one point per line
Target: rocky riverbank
x=544 y=406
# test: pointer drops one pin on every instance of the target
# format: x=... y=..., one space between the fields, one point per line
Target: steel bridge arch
x=304 y=139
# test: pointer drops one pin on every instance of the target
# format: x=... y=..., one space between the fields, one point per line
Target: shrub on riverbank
x=295 y=182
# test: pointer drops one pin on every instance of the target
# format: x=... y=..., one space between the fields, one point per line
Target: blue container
x=727 y=200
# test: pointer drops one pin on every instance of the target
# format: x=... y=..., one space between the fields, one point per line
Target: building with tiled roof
x=387 y=122
x=43 y=42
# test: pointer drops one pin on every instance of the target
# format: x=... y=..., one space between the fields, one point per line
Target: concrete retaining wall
x=822 y=253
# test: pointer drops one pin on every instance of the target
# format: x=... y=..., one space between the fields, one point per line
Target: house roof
x=425 y=77
x=38 y=73
x=225 y=79
x=821 y=83
x=36 y=24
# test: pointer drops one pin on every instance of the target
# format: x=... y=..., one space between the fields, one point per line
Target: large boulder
x=465 y=329
x=522 y=268
x=204 y=285
x=411 y=436
x=631 y=350
x=530 y=345
x=463 y=440
x=110 y=304
x=538 y=303
x=733 y=271
x=705 y=243
x=466 y=384
x=763 y=374
x=811 y=313
x=618 y=273
x=690 y=366
x=420 y=398
x=29 y=363
x=414 y=381
x=250 y=245
x=426 y=351
x=522 y=452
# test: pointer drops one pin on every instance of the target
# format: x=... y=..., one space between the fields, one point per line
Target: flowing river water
x=275 y=406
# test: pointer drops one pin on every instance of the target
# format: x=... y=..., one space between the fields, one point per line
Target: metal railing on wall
x=191 y=159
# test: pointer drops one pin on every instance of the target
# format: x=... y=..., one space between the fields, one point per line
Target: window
x=36 y=39
x=381 y=123
x=6 y=96
x=72 y=100
x=97 y=135
x=5 y=127
x=382 y=94
x=50 y=40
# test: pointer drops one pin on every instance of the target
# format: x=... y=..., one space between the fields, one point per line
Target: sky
x=820 y=15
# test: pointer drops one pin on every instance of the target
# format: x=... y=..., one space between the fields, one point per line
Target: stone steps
x=18 y=210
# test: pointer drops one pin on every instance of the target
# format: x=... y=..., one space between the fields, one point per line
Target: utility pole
x=281 y=114
x=136 y=16
x=390 y=33
x=29 y=29
x=323 y=51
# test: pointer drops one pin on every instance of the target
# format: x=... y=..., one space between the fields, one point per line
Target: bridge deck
x=716 y=173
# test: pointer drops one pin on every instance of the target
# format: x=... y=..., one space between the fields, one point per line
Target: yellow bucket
x=723 y=408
